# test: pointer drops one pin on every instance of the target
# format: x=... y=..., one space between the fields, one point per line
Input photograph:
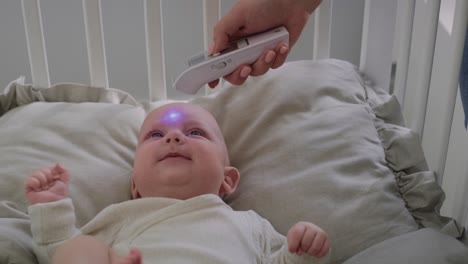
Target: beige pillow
x=313 y=141
x=93 y=132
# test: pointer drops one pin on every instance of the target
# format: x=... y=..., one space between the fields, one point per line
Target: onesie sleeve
x=51 y=224
x=276 y=248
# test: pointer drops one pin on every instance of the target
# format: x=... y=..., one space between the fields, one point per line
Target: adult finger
x=282 y=52
x=239 y=76
x=213 y=84
x=264 y=63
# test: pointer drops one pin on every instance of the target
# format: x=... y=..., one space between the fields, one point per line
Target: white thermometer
x=203 y=68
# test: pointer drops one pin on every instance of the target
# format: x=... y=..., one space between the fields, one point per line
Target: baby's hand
x=47 y=185
x=309 y=238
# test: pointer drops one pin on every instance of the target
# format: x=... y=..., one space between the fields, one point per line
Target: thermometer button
x=220 y=65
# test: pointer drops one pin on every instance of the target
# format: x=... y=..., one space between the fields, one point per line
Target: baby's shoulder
x=252 y=217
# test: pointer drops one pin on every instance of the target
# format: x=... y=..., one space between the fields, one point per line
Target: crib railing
x=411 y=48
x=35 y=42
x=95 y=43
x=377 y=36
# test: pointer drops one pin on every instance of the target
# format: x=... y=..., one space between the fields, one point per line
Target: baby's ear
x=135 y=193
x=230 y=182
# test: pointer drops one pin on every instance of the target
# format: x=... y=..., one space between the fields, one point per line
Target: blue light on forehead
x=172 y=116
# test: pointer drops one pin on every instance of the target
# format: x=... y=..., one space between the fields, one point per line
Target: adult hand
x=252 y=16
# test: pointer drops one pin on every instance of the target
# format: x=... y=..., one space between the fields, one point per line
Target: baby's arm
x=47 y=185
x=53 y=223
x=51 y=212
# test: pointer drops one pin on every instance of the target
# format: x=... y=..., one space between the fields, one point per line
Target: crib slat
x=377 y=41
x=36 y=43
x=211 y=15
x=405 y=15
x=448 y=54
x=95 y=43
x=420 y=63
x=155 y=50
x=322 y=32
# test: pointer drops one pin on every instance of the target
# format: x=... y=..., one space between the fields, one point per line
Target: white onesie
x=203 y=229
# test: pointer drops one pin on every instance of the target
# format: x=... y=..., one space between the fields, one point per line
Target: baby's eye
x=156 y=134
x=195 y=133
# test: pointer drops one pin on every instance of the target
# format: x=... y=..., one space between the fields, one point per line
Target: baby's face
x=180 y=154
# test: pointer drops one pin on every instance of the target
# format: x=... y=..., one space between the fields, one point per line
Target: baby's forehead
x=179 y=114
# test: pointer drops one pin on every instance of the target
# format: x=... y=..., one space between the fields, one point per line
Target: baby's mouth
x=174 y=155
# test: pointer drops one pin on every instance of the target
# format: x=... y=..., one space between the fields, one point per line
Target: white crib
x=411 y=48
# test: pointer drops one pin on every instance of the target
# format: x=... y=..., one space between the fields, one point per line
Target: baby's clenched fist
x=47 y=185
x=305 y=237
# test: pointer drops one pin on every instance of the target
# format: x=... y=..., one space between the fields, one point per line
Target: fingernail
x=284 y=49
x=245 y=72
x=211 y=48
x=269 y=56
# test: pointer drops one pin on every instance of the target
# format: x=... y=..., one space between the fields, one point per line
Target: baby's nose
x=174 y=137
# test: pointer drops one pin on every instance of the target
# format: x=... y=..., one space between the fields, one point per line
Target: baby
x=181 y=173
